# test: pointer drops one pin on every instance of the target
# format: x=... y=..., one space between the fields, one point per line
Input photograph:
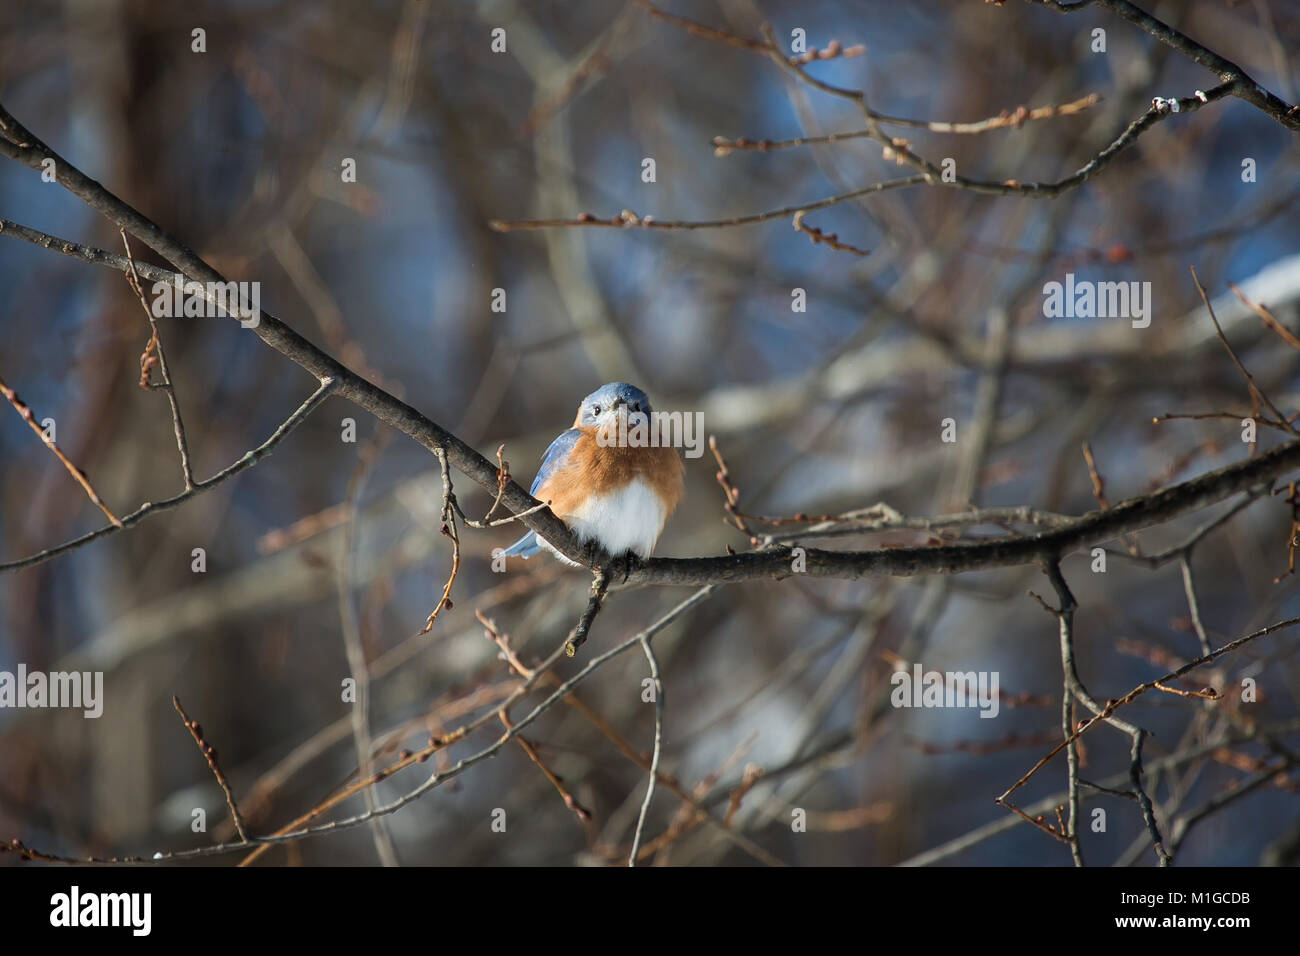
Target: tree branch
x=1084 y=531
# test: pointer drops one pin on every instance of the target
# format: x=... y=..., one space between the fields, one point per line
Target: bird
x=605 y=481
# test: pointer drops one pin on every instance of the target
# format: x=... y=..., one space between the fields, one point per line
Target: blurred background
x=238 y=150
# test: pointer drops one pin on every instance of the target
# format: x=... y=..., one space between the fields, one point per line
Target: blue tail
x=525 y=547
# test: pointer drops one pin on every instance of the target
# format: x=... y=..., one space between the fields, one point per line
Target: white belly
x=629 y=519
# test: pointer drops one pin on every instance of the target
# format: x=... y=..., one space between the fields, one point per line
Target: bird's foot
x=626 y=563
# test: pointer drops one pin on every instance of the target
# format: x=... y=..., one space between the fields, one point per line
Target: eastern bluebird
x=611 y=492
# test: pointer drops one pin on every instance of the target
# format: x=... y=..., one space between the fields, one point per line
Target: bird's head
x=607 y=404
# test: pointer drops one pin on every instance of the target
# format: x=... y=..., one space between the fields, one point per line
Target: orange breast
x=593 y=469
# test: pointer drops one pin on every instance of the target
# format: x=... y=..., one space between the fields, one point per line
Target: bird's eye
x=595 y=409
x=636 y=406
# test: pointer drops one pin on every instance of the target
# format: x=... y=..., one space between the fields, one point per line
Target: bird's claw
x=619 y=566
x=627 y=563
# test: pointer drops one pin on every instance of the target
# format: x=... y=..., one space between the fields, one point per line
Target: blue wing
x=552 y=461
x=554 y=458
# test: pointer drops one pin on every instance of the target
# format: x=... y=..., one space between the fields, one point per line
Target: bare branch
x=654 y=759
x=249 y=459
x=155 y=345
x=210 y=754
x=80 y=476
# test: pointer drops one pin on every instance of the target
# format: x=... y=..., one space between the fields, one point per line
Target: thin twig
x=1193 y=603
x=210 y=754
x=248 y=459
x=155 y=345
x=1267 y=317
x=654 y=759
x=353 y=645
x=502 y=641
x=630 y=220
x=816 y=236
x=449 y=530
x=1007 y=118
x=570 y=801
x=1256 y=393
x=599 y=585
x=30 y=418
